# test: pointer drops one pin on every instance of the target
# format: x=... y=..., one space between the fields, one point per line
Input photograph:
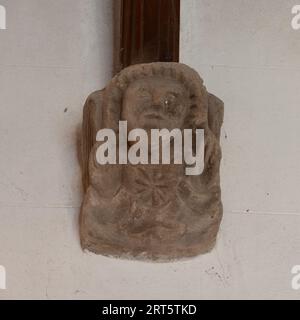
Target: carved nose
x=157 y=102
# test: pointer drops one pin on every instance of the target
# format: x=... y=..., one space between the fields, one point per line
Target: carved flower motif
x=153 y=188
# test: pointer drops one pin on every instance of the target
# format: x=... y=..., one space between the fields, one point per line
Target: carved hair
x=189 y=78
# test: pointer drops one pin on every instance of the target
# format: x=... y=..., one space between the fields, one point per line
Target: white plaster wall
x=53 y=54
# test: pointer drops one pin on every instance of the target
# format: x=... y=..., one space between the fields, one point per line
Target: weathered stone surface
x=151 y=212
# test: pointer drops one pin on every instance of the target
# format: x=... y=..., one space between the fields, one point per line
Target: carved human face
x=155 y=103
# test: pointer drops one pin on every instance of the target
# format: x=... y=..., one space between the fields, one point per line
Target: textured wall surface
x=53 y=54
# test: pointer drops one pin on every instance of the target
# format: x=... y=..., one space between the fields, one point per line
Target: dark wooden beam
x=147 y=31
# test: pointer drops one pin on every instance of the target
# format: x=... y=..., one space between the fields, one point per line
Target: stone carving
x=151 y=212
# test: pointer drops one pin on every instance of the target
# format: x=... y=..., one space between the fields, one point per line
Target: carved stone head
x=155 y=102
x=153 y=212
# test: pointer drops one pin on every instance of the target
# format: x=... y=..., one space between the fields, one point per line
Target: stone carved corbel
x=151 y=212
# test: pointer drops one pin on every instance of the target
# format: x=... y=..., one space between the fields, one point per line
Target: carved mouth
x=154 y=116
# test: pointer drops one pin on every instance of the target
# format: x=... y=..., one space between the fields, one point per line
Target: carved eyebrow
x=175 y=94
x=143 y=89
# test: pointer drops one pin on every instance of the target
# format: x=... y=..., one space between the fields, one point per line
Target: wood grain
x=147 y=31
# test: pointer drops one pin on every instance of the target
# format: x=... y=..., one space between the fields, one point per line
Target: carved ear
x=215 y=114
x=92 y=123
x=113 y=97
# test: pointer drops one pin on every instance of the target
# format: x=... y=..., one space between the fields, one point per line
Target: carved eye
x=144 y=93
x=170 y=99
x=173 y=105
